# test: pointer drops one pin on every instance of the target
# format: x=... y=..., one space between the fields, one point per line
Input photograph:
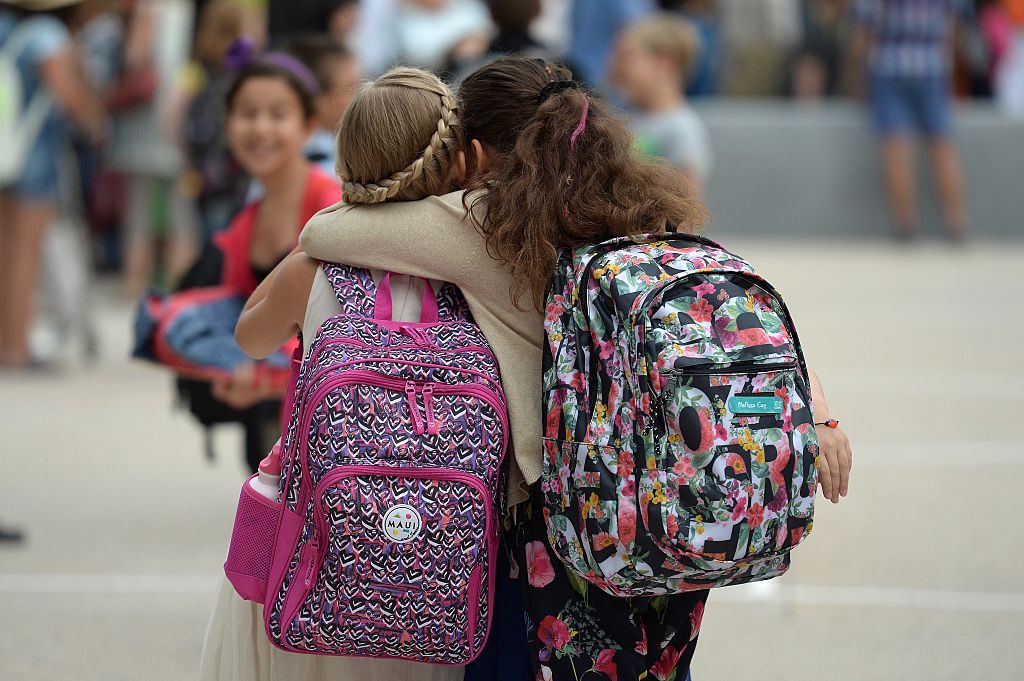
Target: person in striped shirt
x=906 y=48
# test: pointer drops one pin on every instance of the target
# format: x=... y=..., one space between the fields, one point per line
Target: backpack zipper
x=414 y=408
x=302 y=396
x=643 y=300
x=607 y=247
x=675 y=375
x=498 y=390
x=745 y=367
x=365 y=377
x=314 y=549
x=318 y=349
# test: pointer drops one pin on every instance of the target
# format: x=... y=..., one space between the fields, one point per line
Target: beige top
x=434 y=238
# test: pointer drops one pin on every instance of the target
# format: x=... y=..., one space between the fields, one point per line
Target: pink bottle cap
x=271 y=463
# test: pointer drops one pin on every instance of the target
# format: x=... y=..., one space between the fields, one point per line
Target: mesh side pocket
x=252 y=544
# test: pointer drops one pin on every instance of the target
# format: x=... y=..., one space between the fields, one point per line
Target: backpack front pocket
x=395 y=566
x=726 y=464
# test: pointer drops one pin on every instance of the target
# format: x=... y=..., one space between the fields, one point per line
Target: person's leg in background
x=950 y=181
x=900 y=188
x=28 y=207
x=891 y=117
x=23 y=223
x=935 y=119
x=139 y=239
x=183 y=233
x=22 y=227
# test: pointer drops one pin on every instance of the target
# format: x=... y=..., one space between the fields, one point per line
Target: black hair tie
x=555 y=87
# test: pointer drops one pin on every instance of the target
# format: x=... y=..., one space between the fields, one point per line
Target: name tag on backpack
x=756 y=403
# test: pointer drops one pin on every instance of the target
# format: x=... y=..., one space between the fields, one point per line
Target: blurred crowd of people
x=120 y=126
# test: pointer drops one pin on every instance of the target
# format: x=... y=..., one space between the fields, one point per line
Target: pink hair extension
x=582 y=126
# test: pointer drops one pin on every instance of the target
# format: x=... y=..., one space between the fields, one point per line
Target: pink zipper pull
x=428 y=404
x=414 y=409
x=314 y=547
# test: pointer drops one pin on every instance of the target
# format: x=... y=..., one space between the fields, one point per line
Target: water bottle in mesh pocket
x=252 y=544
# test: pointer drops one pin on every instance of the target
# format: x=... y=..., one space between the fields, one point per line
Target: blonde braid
x=444 y=136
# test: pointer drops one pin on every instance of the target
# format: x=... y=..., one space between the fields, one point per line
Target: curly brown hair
x=554 y=186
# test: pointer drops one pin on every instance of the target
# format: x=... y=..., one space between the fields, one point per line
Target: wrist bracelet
x=831 y=423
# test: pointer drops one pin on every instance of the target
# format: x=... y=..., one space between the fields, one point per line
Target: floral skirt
x=576 y=630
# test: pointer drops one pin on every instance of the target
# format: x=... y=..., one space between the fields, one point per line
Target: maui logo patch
x=401 y=523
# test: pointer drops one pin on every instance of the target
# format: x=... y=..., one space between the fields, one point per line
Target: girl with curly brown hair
x=549 y=167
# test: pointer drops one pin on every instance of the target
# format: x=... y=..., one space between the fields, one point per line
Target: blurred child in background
x=814 y=68
x=593 y=25
x=428 y=33
x=213 y=179
x=271 y=112
x=341 y=21
x=905 y=49
x=337 y=74
x=513 y=19
x=158 y=220
x=652 y=60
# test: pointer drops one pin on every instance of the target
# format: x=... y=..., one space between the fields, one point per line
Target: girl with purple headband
x=270 y=113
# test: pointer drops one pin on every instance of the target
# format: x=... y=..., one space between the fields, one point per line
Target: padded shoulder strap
x=354 y=288
x=452 y=305
x=357 y=292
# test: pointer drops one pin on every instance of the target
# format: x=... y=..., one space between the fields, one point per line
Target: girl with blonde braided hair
x=401 y=104
x=551 y=167
x=399 y=140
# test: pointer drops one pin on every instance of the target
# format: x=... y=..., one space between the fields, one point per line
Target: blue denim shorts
x=902 y=104
x=39 y=179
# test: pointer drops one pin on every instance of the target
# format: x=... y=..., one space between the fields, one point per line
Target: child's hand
x=245 y=388
x=836 y=462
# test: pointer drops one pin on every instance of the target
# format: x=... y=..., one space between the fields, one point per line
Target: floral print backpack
x=679 y=448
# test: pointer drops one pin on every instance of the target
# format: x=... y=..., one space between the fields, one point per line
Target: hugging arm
x=274 y=312
x=836 y=454
x=436 y=241
x=271 y=317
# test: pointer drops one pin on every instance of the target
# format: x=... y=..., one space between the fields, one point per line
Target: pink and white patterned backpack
x=392 y=485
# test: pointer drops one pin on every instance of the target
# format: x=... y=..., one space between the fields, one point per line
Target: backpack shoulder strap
x=295 y=369
x=354 y=288
x=452 y=305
